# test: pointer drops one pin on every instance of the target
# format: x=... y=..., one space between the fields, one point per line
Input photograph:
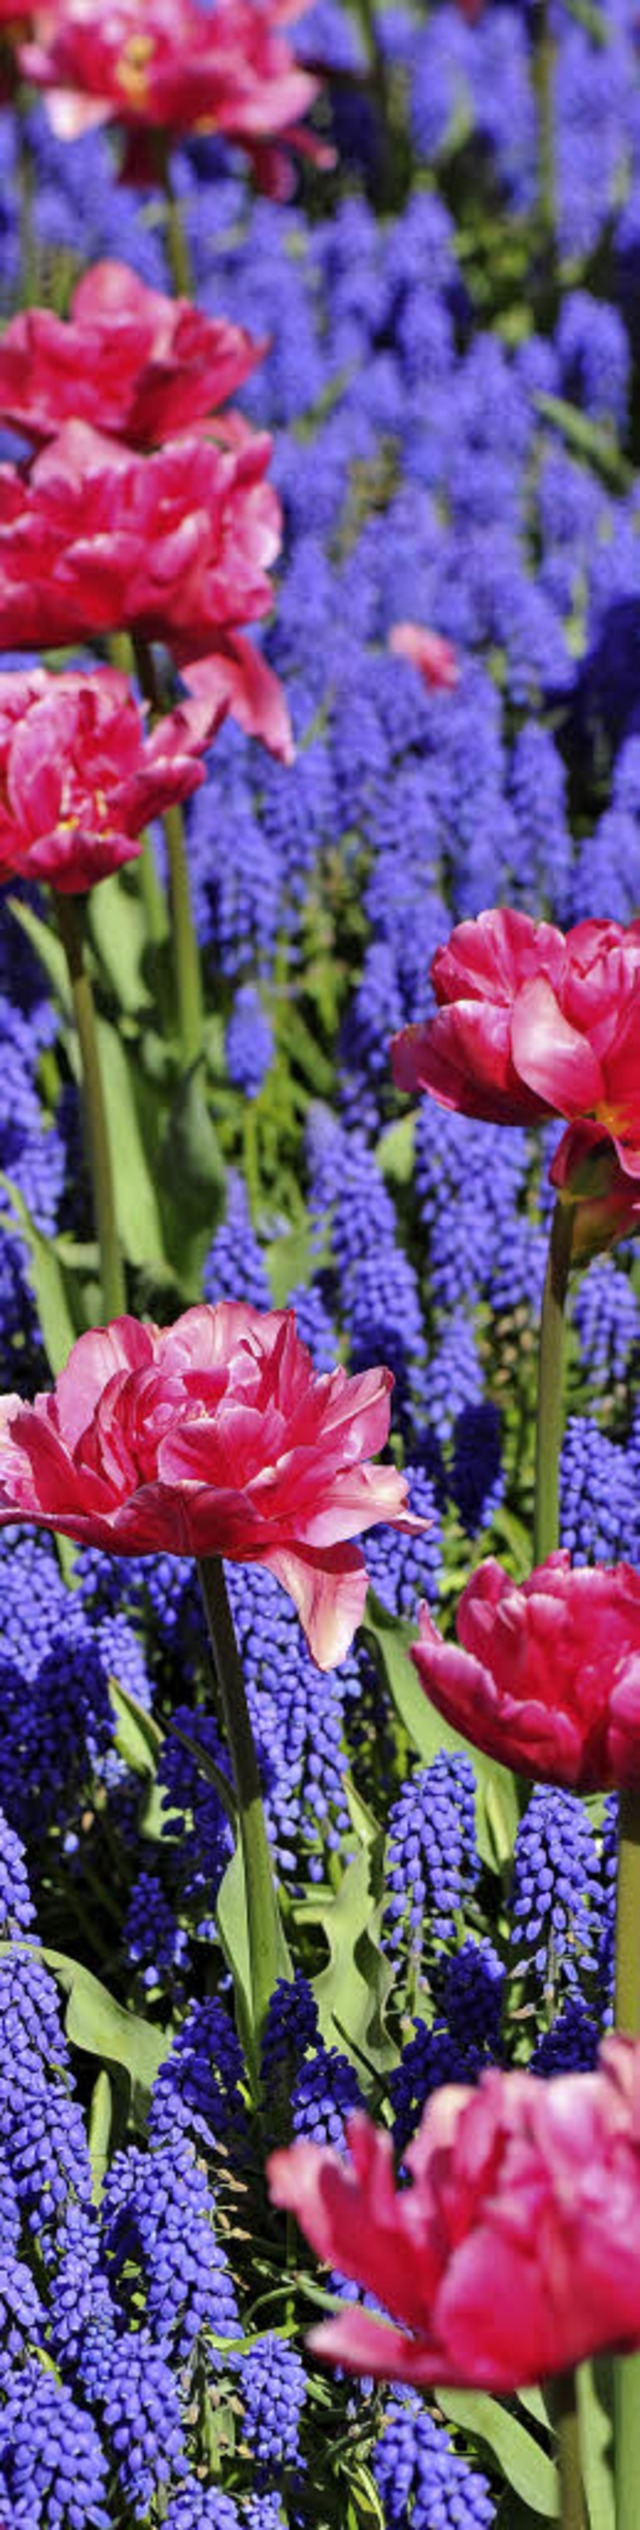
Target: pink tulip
x=179 y=68
x=429 y=652
x=213 y=1437
x=129 y=360
x=176 y=546
x=80 y=777
x=534 y=1023
x=513 y=2254
x=545 y=1674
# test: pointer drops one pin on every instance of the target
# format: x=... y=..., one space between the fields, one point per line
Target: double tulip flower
x=533 y=1022
x=177 y=68
x=512 y=2254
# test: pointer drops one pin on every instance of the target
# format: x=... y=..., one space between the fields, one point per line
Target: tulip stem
x=563 y=2404
x=627 y=2019
x=186 y=954
x=122 y=656
x=543 y=75
x=71 y=929
x=551 y=1405
x=268 y=1954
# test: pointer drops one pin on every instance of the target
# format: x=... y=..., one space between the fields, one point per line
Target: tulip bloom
x=175 y=68
x=213 y=1437
x=545 y=1674
x=129 y=360
x=534 y=1022
x=176 y=547
x=80 y=776
x=514 y=2252
x=429 y=652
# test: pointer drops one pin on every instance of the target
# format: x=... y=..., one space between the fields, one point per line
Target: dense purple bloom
x=51 y=2456
x=273 y=2385
x=197 y=2090
x=599 y=1508
x=403 y=1570
x=235 y=1268
x=325 y=2093
x=130 y=2382
x=555 y=1891
x=158 y=2220
x=571 y=2044
x=432 y=1857
x=249 y=1042
x=421 y=2480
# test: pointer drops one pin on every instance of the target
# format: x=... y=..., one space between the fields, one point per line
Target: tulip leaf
x=120 y=935
x=587 y=439
x=395 y=1151
x=497 y=1805
x=352 y=1990
x=289 y=1262
x=595 y=2400
x=194 y=1177
x=526 y=2467
x=233 y=1927
x=99 y=2131
x=138 y=1739
x=52 y=1285
x=48 y=948
x=101 y=2027
x=137 y=1207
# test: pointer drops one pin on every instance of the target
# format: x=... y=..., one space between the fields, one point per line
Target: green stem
x=122 y=656
x=70 y=922
x=267 y=1948
x=188 y=971
x=178 y=255
x=544 y=51
x=551 y=1402
x=627 y=2019
x=186 y=954
x=564 y=2409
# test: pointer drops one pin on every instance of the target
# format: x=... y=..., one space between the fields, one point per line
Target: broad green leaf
x=594 y=2410
x=497 y=1805
x=352 y=1990
x=138 y=1739
x=395 y=1151
x=53 y=1288
x=526 y=2467
x=588 y=439
x=137 y=1207
x=44 y=939
x=289 y=1261
x=94 y=2022
x=100 y=2121
x=231 y=1916
x=118 y=927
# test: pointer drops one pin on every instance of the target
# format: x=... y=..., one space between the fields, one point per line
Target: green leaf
x=526 y=2467
x=48 y=948
x=289 y=1261
x=94 y=2022
x=231 y=1917
x=595 y=2401
x=497 y=1805
x=51 y=1283
x=118 y=928
x=395 y=1151
x=351 y=1991
x=129 y=1121
x=138 y=1739
x=587 y=439
x=100 y=2121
